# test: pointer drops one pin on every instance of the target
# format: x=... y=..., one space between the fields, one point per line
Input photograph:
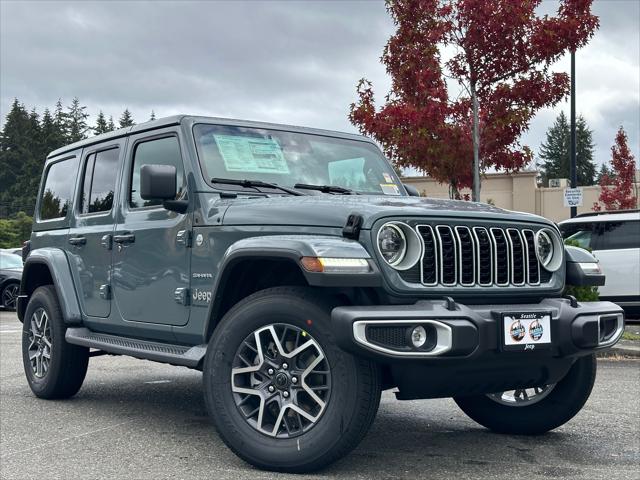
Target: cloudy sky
x=294 y=62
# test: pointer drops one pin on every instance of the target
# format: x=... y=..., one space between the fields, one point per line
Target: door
x=617 y=246
x=92 y=227
x=151 y=256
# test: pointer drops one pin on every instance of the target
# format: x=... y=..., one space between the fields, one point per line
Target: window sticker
x=387 y=177
x=251 y=154
x=390 y=189
x=348 y=173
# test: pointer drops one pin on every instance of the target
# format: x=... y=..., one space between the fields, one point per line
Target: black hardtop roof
x=191 y=119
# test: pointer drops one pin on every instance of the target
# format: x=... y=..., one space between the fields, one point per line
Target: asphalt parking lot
x=137 y=419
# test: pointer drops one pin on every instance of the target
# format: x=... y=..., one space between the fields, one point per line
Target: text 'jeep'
x=295 y=270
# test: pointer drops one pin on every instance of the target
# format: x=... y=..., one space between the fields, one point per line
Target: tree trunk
x=454 y=193
x=475 y=191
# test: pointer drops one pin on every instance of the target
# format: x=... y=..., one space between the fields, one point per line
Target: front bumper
x=466 y=355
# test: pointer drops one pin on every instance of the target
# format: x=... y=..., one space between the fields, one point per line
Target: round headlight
x=545 y=248
x=548 y=250
x=392 y=244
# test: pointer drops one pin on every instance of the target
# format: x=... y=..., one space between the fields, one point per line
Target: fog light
x=418 y=337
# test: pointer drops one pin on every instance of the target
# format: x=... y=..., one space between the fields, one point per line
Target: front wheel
x=536 y=410
x=280 y=392
x=9 y=295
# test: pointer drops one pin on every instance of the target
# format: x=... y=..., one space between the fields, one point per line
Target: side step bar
x=157 y=352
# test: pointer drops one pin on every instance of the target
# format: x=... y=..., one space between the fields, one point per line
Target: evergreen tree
x=111 y=126
x=126 y=120
x=16 y=157
x=60 y=121
x=586 y=168
x=101 y=124
x=153 y=116
x=77 y=121
x=604 y=172
x=556 y=149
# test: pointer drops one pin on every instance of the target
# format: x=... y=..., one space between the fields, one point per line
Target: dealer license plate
x=526 y=330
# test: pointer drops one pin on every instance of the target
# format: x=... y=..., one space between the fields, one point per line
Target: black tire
x=354 y=394
x=68 y=363
x=561 y=404
x=9 y=295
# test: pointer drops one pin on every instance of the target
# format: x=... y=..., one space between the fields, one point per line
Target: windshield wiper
x=254 y=184
x=325 y=188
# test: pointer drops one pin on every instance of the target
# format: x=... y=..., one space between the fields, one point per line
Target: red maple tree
x=617 y=191
x=502 y=52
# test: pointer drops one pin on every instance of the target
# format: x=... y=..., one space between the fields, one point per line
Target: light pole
x=572 y=160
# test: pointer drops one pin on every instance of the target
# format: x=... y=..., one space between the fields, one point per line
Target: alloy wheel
x=281 y=380
x=10 y=295
x=522 y=397
x=39 y=342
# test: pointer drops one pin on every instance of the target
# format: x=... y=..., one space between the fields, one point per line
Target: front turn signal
x=335 y=265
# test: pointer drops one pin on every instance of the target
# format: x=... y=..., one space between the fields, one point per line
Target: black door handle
x=78 y=240
x=126 y=238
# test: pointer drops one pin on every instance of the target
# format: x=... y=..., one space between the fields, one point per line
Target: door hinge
x=181 y=296
x=183 y=237
x=105 y=292
x=105 y=241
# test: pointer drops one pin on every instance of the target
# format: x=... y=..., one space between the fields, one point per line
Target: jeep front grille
x=476 y=256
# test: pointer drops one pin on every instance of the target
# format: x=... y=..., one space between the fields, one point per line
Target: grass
x=631 y=336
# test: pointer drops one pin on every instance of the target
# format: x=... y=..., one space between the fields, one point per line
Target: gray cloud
x=283 y=61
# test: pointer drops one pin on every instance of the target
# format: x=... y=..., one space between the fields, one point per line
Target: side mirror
x=411 y=190
x=158 y=182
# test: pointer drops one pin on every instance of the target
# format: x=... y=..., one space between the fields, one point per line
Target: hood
x=333 y=210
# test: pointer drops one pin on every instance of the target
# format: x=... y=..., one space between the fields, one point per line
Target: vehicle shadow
x=405 y=439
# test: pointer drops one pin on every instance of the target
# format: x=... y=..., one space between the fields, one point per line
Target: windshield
x=287 y=159
x=9 y=260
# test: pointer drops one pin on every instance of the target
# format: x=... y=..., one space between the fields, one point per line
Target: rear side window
x=161 y=151
x=619 y=235
x=58 y=189
x=98 y=186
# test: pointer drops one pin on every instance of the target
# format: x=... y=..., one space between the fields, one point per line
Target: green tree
x=16 y=155
x=126 y=120
x=77 y=121
x=111 y=125
x=153 y=116
x=60 y=121
x=556 y=149
x=604 y=172
x=101 y=124
x=14 y=231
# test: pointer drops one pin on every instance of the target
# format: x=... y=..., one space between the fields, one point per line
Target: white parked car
x=614 y=238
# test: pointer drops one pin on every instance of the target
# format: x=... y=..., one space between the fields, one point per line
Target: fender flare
x=292 y=248
x=56 y=261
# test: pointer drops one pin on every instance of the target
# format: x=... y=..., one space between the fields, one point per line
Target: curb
x=624 y=348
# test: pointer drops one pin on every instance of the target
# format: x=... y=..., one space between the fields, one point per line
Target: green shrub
x=14 y=231
x=582 y=294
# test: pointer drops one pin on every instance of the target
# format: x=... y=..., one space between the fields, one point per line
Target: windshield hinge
x=353 y=226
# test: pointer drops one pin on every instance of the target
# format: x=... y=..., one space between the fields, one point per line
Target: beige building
x=519 y=192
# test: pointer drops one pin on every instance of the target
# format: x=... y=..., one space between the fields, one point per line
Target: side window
x=582 y=238
x=98 y=186
x=161 y=151
x=619 y=235
x=58 y=189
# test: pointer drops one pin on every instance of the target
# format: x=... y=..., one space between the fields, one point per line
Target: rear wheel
x=536 y=410
x=53 y=367
x=280 y=392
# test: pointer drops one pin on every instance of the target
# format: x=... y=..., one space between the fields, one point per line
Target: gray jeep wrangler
x=295 y=270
